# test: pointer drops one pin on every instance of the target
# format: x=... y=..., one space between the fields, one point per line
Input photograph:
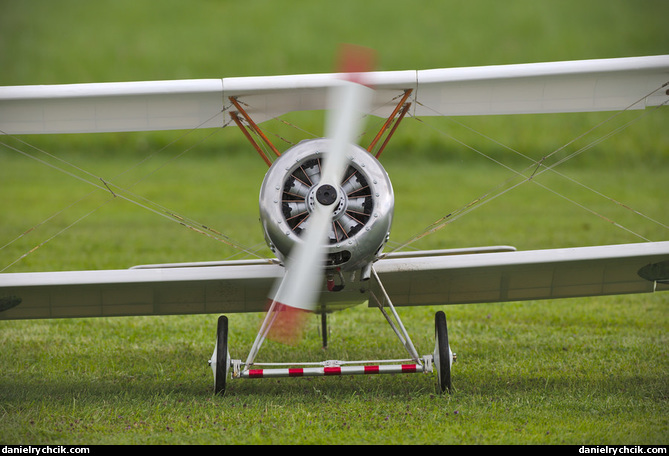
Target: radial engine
x=362 y=213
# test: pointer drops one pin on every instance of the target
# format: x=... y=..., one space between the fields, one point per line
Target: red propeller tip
x=354 y=61
x=287 y=324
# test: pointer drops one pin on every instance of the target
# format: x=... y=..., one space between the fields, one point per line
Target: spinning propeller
x=295 y=295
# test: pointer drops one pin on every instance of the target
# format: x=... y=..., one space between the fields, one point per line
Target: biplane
x=326 y=205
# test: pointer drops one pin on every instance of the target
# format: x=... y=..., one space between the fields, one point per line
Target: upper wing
x=589 y=85
x=575 y=86
x=425 y=279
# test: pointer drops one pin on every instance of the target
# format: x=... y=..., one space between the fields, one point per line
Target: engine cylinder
x=363 y=204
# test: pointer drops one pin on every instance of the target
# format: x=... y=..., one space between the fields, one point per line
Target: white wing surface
x=232 y=287
x=572 y=86
x=111 y=107
x=434 y=279
x=527 y=275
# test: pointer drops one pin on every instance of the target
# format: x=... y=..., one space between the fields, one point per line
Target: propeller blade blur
x=296 y=294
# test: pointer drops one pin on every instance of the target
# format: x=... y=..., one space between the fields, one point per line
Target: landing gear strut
x=324 y=329
x=441 y=359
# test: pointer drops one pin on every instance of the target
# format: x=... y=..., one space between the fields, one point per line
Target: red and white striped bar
x=333 y=371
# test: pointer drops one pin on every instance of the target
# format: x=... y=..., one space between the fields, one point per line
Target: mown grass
x=585 y=380
x=574 y=371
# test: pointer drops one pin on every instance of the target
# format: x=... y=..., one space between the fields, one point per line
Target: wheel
x=443 y=356
x=221 y=358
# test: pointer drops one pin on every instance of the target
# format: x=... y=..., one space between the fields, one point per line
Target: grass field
x=577 y=371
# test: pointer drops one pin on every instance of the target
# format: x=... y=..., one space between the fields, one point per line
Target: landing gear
x=324 y=329
x=220 y=360
x=440 y=360
x=443 y=357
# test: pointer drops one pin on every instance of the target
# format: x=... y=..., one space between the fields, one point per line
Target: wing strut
x=401 y=108
x=255 y=145
x=394 y=119
x=254 y=127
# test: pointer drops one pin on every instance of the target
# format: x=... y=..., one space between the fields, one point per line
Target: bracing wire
x=537 y=168
x=115 y=191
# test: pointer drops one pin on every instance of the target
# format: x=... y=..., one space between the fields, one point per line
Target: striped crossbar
x=332 y=371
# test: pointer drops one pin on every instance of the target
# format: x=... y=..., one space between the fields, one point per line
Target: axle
x=334 y=368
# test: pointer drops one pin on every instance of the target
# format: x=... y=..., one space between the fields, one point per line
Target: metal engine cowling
x=363 y=206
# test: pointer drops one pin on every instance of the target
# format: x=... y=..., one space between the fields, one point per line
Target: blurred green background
x=44 y=42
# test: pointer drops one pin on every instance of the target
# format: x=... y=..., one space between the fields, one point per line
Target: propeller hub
x=326 y=194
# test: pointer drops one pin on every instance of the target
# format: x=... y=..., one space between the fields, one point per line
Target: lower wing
x=441 y=277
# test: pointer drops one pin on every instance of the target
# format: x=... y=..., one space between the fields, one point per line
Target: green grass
x=586 y=380
x=577 y=371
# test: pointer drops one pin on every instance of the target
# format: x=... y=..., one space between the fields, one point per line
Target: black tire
x=442 y=353
x=222 y=361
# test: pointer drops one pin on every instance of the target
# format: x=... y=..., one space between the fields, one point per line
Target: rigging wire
x=123 y=193
x=539 y=167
